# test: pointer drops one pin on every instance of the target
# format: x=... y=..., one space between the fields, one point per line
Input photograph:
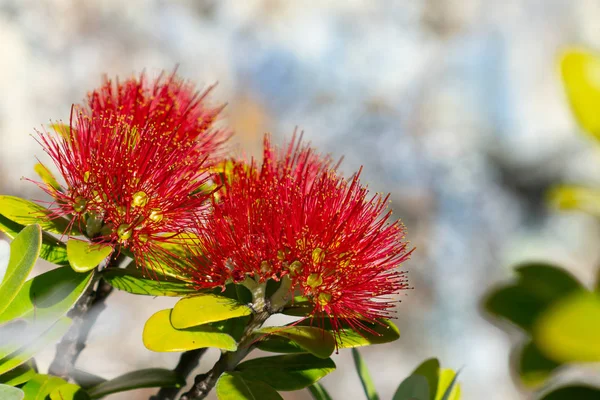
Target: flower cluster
x=134 y=158
x=295 y=216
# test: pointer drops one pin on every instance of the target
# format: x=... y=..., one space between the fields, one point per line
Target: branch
x=84 y=315
x=188 y=361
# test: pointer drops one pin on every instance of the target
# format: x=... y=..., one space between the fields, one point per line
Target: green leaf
x=415 y=387
x=25 y=212
x=22 y=355
x=232 y=386
x=288 y=372
x=318 y=392
x=159 y=335
x=430 y=369
x=145 y=378
x=52 y=250
x=300 y=307
x=47 y=177
x=205 y=308
x=64 y=130
x=24 y=251
x=85 y=379
x=11 y=393
x=365 y=376
x=574 y=392
x=85 y=256
x=134 y=281
x=383 y=331
x=40 y=386
x=69 y=391
x=569 y=330
x=447 y=387
x=310 y=339
x=47 y=296
x=18 y=376
x=581 y=76
x=538 y=287
x=533 y=366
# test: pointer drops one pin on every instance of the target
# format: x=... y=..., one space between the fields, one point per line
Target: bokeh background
x=455 y=107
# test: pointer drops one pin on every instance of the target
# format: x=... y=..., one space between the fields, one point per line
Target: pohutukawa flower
x=295 y=216
x=133 y=160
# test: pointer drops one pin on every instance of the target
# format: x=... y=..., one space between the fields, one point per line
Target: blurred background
x=454 y=106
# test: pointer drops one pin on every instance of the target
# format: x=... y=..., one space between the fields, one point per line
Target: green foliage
x=574 y=392
x=18 y=376
x=380 y=332
x=447 y=388
x=287 y=372
x=569 y=197
x=69 y=391
x=152 y=377
x=25 y=212
x=24 y=251
x=365 y=376
x=159 y=335
x=134 y=281
x=293 y=339
x=318 y=392
x=233 y=386
x=10 y=393
x=415 y=387
x=40 y=386
x=47 y=177
x=429 y=382
x=533 y=366
x=85 y=256
x=205 y=308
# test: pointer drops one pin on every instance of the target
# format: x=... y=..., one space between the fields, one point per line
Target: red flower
x=295 y=216
x=133 y=161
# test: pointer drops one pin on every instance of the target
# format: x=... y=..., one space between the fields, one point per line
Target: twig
x=84 y=315
x=188 y=361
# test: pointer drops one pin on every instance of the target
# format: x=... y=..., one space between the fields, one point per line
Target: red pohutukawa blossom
x=133 y=160
x=294 y=215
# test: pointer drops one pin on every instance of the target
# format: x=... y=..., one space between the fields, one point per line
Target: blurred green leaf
x=17 y=376
x=11 y=393
x=205 y=308
x=40 y=386
x=310 y=339
x=85 y=256
x=85 y=379
x=136 y=282
x=69 y=391
x=152 y=377
x=415 y=387
x=533 y=367
x=48 y=296
x=569 y=330
x=232 y=386
x=318 y=392
x=64 y=130
x=24 y=251
x=22 y=355
x=52 y=249
x=300 y=307
x=25 y=212
x=573 y=392
x=538 y=286
x=430 y=369
x=287 y=372
x=47 y=177
x=581 y=75
x=159 y=335
x=365 y=376
x=447 y=387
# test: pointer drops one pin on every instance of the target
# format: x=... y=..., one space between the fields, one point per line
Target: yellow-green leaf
x=24 y=251
x=159 y=335
x=25 y=212
x=18 y=376
x=144 y=378
x=581 y=75
x=64 y=130
x=85 y=256
x=447 y=388
x=47 y=176
x=579 y=198
x=380 y=332
x=40 y=386
x=569 y=330
x=68 y=391
x=232 y=386
x=311 y=339
x=206 y=308
x=134 y=281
